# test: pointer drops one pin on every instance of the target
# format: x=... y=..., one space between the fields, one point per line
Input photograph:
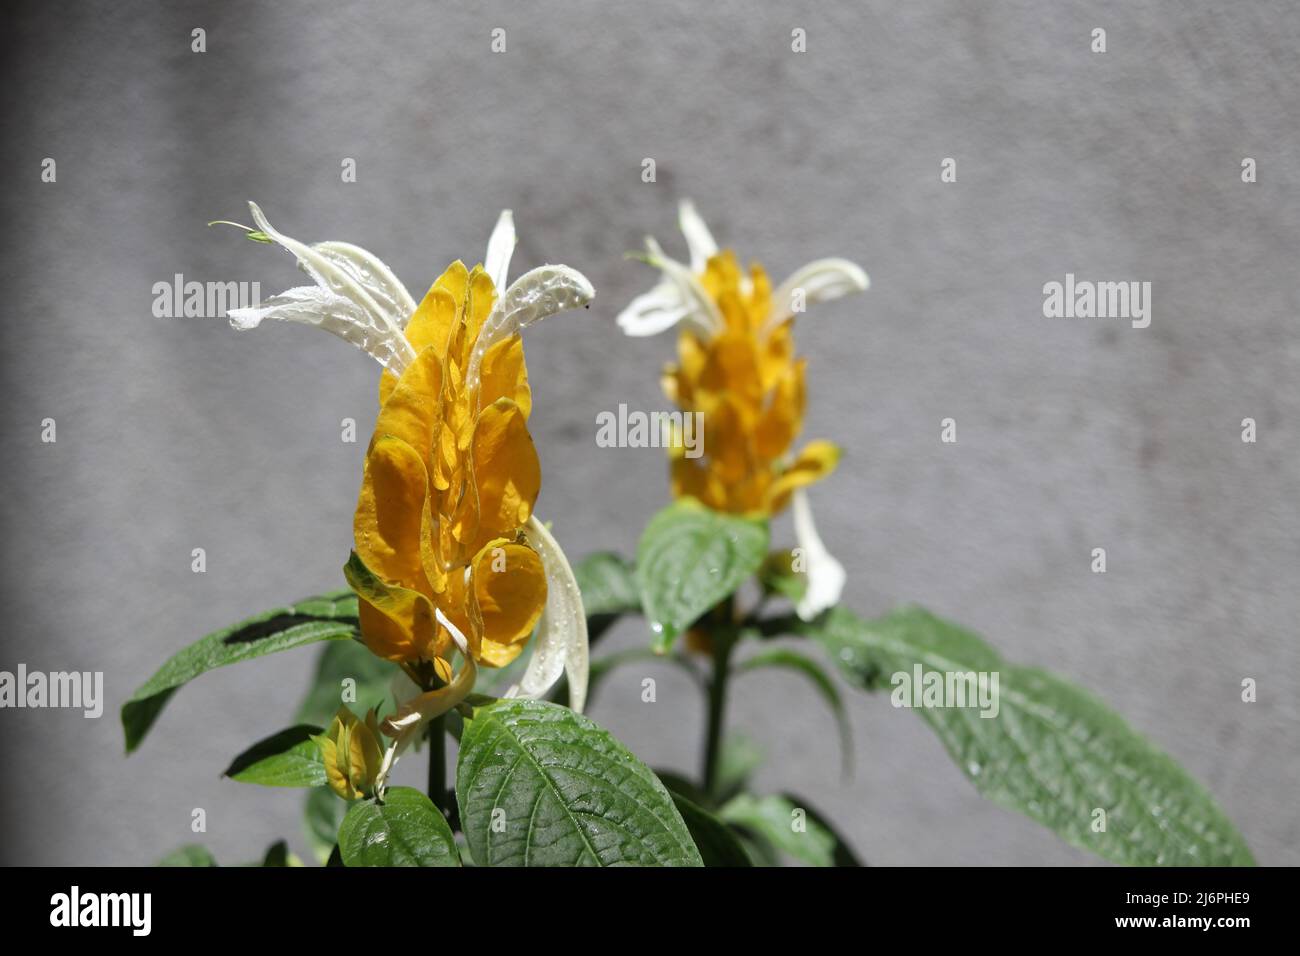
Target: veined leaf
x=287 y=759
x=329 y=617
x=1053 y=751
x=539 y=785
x=689 y=559
x=405 y=830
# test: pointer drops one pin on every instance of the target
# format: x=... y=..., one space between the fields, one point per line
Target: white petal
x=655 y=311
x=312 y=305
x=821 y=281
x=377 y=328
x=698 y=238
x=501 y=247
x=701 y=310
x=532 y=297
x=537 y=294
x=825 y=575
x=369 y=272
x=561 y=643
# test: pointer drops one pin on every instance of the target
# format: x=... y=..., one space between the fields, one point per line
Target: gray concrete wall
x=175 y=434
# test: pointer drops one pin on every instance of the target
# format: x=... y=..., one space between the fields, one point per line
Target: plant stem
x=723 y=642
x=438 y=765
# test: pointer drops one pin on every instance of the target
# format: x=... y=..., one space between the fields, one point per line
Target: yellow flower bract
x=451 y=478
x=749 y=386
x=352 y=753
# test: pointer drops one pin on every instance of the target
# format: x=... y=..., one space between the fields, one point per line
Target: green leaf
x=340 y=661
x=789 y=828
x=287 y=759
x=539 y=785
x=715 y=840
x=689 y=559
x=328 y=617
x=609 y=589
x=191 y=854
x=1053 y=751
x=321 y=815
x=405 y=830
x=792 y=660
x=842 y=854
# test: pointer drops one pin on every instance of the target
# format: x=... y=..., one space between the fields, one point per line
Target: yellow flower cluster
x=746 y=381
x=450 y=481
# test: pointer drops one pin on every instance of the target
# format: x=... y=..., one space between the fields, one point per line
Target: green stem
x=723 y=642
x=438 y=792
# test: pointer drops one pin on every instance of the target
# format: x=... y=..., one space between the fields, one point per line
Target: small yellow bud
x=352 y=752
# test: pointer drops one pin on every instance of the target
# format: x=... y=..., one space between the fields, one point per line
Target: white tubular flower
x=356 y=297
x=681 y=296
x=823 y=280
x=825 y=575
x=534 y=296
x=655 y=311
x=562 y=631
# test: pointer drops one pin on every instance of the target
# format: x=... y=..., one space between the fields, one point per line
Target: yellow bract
x=451 y=478
x=745 y=380
x=352 y=753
